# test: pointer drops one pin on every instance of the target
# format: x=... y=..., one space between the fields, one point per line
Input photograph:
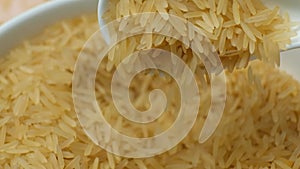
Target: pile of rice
x=260 y=127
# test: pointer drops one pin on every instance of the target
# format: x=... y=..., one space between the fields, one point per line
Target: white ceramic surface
x=34 y=21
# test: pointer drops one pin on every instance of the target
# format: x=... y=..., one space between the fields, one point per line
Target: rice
x=213 y=17
x=39 y=127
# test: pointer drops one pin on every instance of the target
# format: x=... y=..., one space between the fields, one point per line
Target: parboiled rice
x=39 y=127
x=250 y=25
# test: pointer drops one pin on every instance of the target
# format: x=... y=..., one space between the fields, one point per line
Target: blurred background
x=12 y=8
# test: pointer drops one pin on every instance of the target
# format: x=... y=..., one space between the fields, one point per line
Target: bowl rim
x=33 y=21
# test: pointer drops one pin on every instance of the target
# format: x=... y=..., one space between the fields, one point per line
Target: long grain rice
x=39 y=127
x=257 y=22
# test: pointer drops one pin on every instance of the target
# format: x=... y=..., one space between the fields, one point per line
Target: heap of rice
x=39 y=128
x=260 y=128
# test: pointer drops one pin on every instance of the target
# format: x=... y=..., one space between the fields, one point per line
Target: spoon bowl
x=288 y=61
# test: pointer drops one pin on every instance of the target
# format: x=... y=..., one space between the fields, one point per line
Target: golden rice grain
x=34 y=120
x=236 y=12
x=250 y=17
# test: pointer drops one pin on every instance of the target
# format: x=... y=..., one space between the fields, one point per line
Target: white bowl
x=31 y=23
